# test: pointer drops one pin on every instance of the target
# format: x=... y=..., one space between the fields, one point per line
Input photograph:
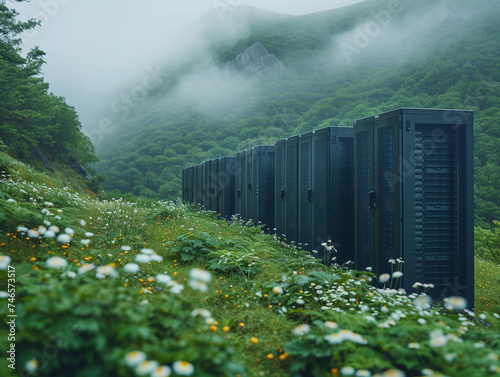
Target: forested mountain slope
x=36 y=126
x=340 y=65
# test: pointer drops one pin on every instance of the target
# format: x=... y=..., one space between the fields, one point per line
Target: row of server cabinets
x=242 y=185
x=254 y=186
x=314 y=190
x=397 y=185
x=211 y=185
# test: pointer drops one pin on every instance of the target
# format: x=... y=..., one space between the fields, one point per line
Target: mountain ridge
x=454 y=64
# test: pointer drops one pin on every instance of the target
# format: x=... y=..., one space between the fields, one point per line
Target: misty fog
x=99 y=51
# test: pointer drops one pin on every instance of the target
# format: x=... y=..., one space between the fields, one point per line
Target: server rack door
x=184 y=185
x=386 y=182
x=220 y=185
x=238 y=182
x=305 y=192
x=207 y=186
x=195 y=185
x=254 y=184
x=200 y=186
x=244 y=185
x=190 y=184
x=230 y=189
x=342 y=204
x=248 y=199
x=364 y=196
x=279 y=187
x=226 y=178
x=206 y=174
x=215 y=183
x=266 y=190
x=441 y=190
x=321 y=190
x=212 y=186
x=291 y=188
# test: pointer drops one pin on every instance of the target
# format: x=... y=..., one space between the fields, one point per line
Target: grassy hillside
x=114 y=288
x=425 y=54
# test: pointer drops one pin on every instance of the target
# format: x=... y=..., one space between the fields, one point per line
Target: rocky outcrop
x=76 y=166
x=256 y=63
x=43 y=158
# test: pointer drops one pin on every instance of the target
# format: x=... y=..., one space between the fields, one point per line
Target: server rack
x=226 y=186
x=325 y=191
x=185 y=188
x=210 y=192
x=198 y=186
x=248 y=186
x=188 y=184
x=261 y=186
x=240 y=184
x=214 y=179
x=413 y=183
x=286 y=188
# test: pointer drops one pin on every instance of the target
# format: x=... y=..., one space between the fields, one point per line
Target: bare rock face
x=43 y=158
x=75 y=165
x=256 y=63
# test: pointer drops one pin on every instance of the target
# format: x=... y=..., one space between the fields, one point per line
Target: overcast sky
x=94 y=46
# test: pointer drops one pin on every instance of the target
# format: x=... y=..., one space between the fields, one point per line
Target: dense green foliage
x=32 y=118
x=487 y=243
x=104 y=288
x=448 y=60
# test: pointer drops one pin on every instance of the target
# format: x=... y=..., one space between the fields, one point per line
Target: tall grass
x=120 y=282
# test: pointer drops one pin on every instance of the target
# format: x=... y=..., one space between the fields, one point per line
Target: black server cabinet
x=248 y=185
x=226 y=186
x=210 y=193
x=305 y=169
x=198 y=186
x=413 y=183
x=205 y=184
x=325 y=191
x=261 y=186
x=286 y=188
x=189 y=183
x=185 y=189
x=214 y=179
x=240 y=184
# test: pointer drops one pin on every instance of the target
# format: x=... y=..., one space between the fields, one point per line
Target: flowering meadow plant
x=112 y=288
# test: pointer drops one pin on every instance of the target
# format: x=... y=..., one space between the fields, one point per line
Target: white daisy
x=85 y=268
x=104 y=271
x=64 y=238
x=131 y=268
x=183 y=368
x=56 y=262
x=142 y=258
x=135 y=358
x=200 y=275
x=146 y=367
x=301 y=329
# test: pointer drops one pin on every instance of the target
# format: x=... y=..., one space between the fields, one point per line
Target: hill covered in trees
x=340 y=65
x=36 y=126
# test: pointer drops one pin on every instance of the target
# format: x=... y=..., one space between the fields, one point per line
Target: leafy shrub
x=487 y=242
x=169 y=209
x=12 y=215
x=193 y=246
x=78 y=325
x=347 y=323
x=236 y=258
x=3 y=147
